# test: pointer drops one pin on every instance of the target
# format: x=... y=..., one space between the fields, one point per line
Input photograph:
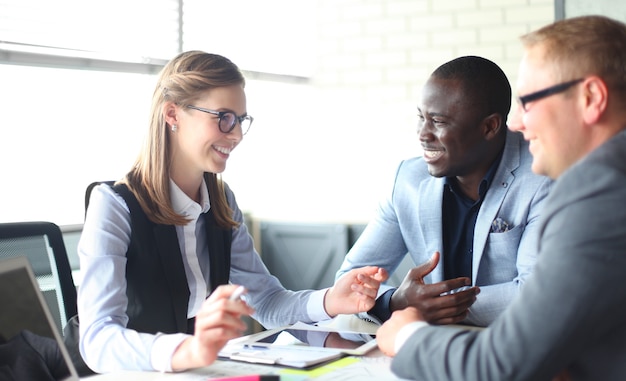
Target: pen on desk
x=238 y=293
x=254 y=377
x=252 y=346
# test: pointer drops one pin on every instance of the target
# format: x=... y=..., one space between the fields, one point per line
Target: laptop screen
x=30 y=344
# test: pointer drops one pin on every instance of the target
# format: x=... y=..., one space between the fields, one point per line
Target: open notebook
x=26 y=324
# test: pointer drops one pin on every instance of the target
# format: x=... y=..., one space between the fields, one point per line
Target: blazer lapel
x=494 y=198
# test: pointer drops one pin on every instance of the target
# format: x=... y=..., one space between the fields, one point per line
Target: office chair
x=42 y=243
x=90 y=188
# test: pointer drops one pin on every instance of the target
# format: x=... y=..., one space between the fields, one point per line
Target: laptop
x=26 y=322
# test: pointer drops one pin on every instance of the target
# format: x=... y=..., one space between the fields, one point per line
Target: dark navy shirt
x=459 y=217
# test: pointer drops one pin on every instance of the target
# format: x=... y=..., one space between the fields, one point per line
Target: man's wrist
x=405 y=332
x=382 y=306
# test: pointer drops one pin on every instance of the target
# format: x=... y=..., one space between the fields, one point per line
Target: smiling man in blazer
x=471 y=199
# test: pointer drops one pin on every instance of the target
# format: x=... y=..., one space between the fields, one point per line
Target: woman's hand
x=355 y=291
x=218 y=321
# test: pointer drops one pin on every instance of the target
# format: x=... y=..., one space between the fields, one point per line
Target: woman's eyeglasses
x=227 y=120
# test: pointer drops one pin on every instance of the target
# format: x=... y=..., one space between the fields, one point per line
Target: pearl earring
x=174 y=128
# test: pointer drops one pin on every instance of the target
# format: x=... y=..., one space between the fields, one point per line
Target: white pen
x=238 y=293
x=455 y=290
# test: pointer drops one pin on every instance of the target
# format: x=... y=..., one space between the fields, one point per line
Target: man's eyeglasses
x=524 y=100
x=227 y=120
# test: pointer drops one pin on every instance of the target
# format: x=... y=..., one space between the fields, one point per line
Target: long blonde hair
x=181 y=81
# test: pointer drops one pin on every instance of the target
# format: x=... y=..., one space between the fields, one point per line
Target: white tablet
x=350 y=343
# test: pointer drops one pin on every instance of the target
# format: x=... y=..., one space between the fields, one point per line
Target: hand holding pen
x=236 y=302
x=217 y=322
x=238 y=294
x=445 y=302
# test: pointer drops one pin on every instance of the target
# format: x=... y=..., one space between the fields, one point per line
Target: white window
x=77 y=76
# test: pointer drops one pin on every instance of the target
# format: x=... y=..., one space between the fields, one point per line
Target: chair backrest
x=42 y=243
x=90 y=188
x=301 y=255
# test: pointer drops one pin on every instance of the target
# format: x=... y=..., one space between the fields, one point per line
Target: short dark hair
x=482 y=79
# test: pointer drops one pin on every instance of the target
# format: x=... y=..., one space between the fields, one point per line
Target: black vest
x=157 y=288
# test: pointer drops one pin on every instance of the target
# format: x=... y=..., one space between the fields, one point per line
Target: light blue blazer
x=409 y=220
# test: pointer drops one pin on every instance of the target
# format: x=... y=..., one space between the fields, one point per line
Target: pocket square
x=500 y=226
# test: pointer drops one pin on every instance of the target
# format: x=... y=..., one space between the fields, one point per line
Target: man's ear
x=492 y=124
x=595 y=98
x=170 y=113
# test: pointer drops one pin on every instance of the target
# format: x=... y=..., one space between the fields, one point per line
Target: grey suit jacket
x=409 y=221
x=572 y=311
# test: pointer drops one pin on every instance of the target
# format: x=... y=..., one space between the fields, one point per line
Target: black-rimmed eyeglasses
x=227 y=120
x=524 y=100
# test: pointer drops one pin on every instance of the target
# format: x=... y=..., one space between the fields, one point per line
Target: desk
x=373 y=367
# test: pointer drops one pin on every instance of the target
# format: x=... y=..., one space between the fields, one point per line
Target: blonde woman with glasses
x=163 y=250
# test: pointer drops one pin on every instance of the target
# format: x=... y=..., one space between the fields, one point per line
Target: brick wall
x=344 y=136
x=383 y=50
x=373 y=57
